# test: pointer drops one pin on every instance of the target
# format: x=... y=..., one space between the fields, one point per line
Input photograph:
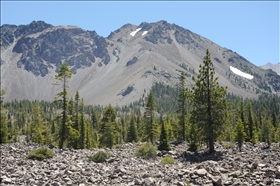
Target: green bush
x=99 y=157
x=276 y=148
x=41 y=153
x=167 y=160
x=146 y=151
x=228 y=145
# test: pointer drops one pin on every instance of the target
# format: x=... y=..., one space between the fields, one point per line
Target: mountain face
x=273 y=67
x=118 y=69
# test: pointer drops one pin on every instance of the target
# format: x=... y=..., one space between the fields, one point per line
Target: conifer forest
x=200 y=115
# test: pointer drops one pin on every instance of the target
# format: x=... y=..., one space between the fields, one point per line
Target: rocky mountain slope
x=118 y=69
x=255 y=165
x=273 y=67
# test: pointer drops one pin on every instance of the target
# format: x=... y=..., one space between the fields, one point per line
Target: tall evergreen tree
x=109 y=129
x=94 y=120
x=82 y=126
x=267 y=131
x=63 y=76
x=208 y=103
x=149 y=118
x=77 y=100
x=37 y=125
x=182 y=101
x=163 y=140
x=239 y=134
x=4 y=134
x=250 y=122
x=132 y=131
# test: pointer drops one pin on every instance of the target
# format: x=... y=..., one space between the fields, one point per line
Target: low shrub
x=99 y=157
x=167 y=160
x=146 y=151
x=41 y=153
x=276 y=148
x=228 y=145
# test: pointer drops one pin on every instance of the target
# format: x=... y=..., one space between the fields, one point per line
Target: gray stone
x=201 y=172
x=149 y=182
x=138 y=182
x=179 y=183
x=92 y=179
x=7 y=180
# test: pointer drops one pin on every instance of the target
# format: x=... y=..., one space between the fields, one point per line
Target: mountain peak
x=121 y=68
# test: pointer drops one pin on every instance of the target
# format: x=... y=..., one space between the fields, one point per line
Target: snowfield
x=145 y=32
x=240 y=73
x=134 y=32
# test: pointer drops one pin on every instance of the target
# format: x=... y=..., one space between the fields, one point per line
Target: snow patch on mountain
x=145 y=32
x=240 y=73
x=135 y=32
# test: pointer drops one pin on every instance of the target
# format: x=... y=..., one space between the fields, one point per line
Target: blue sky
x=249 y=28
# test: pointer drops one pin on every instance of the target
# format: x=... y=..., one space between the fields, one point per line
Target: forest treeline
x=199 y=115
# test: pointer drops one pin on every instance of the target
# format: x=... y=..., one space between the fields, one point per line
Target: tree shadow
x=201 y=156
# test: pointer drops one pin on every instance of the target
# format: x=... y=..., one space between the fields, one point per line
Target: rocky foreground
x=256 y=165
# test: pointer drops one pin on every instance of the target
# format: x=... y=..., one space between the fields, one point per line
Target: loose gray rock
x=254 y=166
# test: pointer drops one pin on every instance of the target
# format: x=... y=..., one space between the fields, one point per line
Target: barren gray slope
x=121 y=68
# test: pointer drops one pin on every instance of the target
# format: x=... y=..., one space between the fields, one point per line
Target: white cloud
x=240 y=73
x=134 y=32
x=145 y=32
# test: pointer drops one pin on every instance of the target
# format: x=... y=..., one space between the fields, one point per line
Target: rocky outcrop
x=132 y=61
x=254 y=166
x=9 y=33
x=43 y=46
x=159 y=33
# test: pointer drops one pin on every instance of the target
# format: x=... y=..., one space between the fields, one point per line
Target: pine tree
x=250 y=122
x=77 y=100
x=132 y=131
x=182 y=101
x=63 y=76
x=254 y=139
x=82 y=126
x=37 y=126
x=194 y=138
x=208 y=103
x=163 y=140
x=4 y=134
x=267 y=131
x=94 y=120
x=239 y=134
x=149 y=117
x=109 y=129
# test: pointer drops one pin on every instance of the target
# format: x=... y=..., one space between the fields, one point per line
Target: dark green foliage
x=132 y=130
x=239 y=134
x=267 y=132
x=194 y=138
x=109 y=129
x=150 y=108
x=82 y=127
x=37 y=126
x=146 y=151
x=167 y=160
x=251 y=125
x=163 y=141
x=182 y=104
x=63 y=76
x=4 y=122
x=208 y=103
x=165 y=97
x=41 y=153
x=99 y=157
